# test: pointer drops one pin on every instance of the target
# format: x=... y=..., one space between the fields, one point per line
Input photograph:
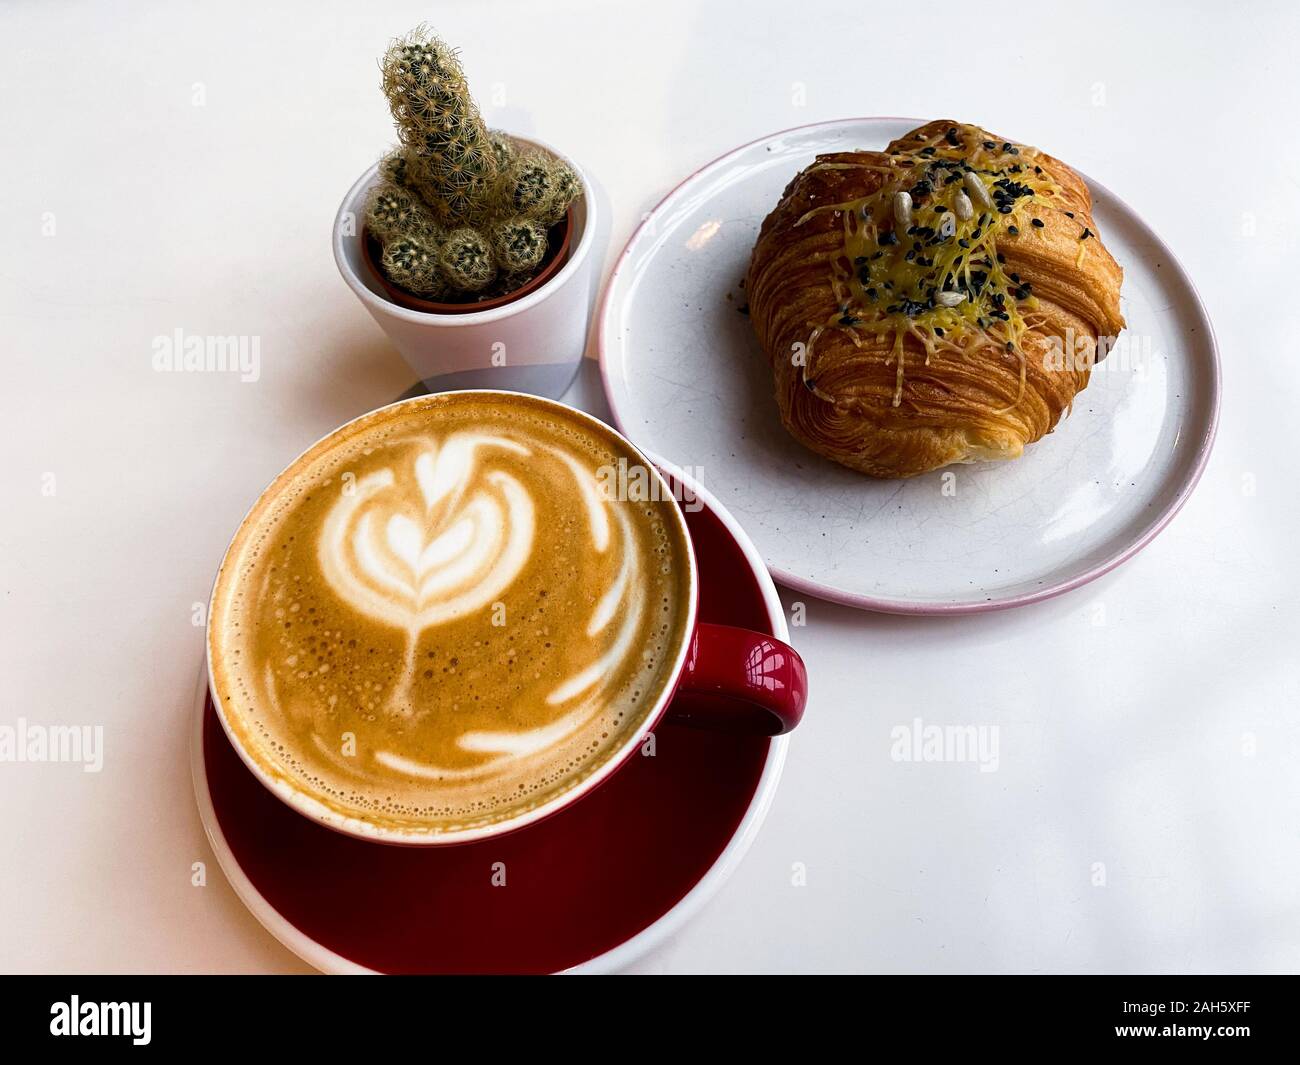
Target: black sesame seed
x=1037 y=223
x=1014 y=231
x=889 y=237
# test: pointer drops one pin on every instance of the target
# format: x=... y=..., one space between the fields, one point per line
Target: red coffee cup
x=723 y=678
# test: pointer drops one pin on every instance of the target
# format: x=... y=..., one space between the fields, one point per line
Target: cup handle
x=735 y=680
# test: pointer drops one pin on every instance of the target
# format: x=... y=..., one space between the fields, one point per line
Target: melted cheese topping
x=895 y=277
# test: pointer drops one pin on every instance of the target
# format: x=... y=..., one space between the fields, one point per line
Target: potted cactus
x=460 y=223
x=463 y=215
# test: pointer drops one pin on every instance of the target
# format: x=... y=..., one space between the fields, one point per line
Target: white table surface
x=191 y=158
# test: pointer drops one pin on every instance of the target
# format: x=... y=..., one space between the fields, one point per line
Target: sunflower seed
x=977 y=191
x=949 y=299
x=902 y=209
x=962 y=205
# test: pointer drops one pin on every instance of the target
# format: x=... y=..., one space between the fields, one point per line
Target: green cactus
x=419 y=62
x=393 y=168
x=453 y=189
x=519 y=244
x=389 y=209
x=503 y=148
x=393 y=212
x=527 y=186
x=413 y=265
x=438 y=122
x=565 y=188
x=466 y=258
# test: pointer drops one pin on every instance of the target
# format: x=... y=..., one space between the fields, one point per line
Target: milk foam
x=481 y=619
x=418 y=546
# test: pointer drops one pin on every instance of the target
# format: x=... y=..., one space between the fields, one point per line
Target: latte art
x=430 y=544
x=437 y=619
x=417 y=547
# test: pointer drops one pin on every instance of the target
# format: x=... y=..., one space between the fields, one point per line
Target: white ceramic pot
x=532 y=344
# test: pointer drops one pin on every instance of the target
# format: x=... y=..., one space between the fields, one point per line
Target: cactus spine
x=460 y=209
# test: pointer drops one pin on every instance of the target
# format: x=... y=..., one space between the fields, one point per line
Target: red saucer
x=577 y=885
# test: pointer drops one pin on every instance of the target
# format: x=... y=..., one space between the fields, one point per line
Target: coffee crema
x=440 y=618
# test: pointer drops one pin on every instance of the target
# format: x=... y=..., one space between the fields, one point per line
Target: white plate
x=686 y=379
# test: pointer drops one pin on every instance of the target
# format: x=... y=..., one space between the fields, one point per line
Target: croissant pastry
x=941 y=301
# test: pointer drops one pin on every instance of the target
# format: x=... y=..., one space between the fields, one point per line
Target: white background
x=1148 y=722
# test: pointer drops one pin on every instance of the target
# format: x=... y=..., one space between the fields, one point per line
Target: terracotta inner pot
x=559 y=238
